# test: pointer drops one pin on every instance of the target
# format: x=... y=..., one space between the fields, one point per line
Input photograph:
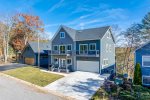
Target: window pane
x=92 y=47
x=146 y=80
x=69 y=47
x=68 y=61
x=146 y=60
x=55 y=47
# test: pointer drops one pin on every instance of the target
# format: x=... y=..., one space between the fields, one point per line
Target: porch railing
x=61 y=52
x=87 y=53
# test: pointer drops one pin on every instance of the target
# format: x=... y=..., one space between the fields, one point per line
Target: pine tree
x=137 y=75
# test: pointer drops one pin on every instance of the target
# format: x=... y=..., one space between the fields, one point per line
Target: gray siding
x=28 y=52
x=64 y=41
x=107 y=54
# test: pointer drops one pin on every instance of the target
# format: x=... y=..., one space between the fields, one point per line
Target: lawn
x=33 y=75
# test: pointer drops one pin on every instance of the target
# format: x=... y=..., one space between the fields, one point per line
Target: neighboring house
x=29 y=54
x=91 y=50
x=142 y=56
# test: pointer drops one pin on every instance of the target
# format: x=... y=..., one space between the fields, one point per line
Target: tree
x=146 y=27
x=132 y=41
x=137 y=75
x=25 y=27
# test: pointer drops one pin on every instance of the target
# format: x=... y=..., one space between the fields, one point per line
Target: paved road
x=78 y=85
x=11 y=89
x=5 y=67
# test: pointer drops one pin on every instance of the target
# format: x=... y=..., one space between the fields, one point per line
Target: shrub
x=137 y=75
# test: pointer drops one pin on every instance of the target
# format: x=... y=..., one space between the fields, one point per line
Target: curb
x=38 y=87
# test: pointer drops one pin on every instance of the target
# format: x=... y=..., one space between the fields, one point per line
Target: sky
x=79 y=14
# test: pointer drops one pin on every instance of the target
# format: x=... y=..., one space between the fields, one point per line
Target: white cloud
x=57 y=5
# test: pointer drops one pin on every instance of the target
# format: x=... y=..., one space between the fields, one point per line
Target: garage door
x=29 y=61
x=88 y=66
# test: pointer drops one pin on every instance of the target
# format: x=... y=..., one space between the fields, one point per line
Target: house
x=142 y=56
x=91 y=50
x=29 y=54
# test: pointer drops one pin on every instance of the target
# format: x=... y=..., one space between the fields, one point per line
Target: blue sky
x=80 y=14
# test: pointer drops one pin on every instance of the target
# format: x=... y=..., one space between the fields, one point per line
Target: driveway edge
x=38 y=87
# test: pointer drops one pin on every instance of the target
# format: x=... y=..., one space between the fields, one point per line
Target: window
x=55 y=60
x=69 y=47
x=105 y=62
x=146 y=61
x=55 y=47
x=62 y=34
x=92 y=46
x=146 y=79
x=108 y=35
x=107 y=48
x=62 y=48
x=110 y=48
x=83 y=48
x=69 y=61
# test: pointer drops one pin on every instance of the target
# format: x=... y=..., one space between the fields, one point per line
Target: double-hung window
x=146 y=61
x=146 y=80
x=69 y=61
x=92 y=47
x=69 y=47
x=55 y=47
x=62 y=34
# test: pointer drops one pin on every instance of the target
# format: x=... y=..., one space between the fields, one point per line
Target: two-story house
x=91 y=50
x=142 y=56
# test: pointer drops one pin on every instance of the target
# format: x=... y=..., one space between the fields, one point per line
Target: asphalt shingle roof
x=44 y=46
x=86 y=34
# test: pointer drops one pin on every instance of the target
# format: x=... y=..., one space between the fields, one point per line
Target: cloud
x=57 y=5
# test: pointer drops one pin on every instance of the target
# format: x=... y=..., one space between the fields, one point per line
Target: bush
x=137 y=75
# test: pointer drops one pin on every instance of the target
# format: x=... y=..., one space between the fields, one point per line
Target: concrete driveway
x=4 y=67
x=78 y=85
x=11 y=89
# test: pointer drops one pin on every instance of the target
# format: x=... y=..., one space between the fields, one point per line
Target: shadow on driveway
x=5 y=67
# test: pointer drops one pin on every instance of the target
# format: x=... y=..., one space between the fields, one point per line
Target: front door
x=62 y=62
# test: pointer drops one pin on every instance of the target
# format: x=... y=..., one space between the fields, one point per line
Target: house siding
x=28 y=53
x=64 y=41
x=144 y=51
x=107 y=54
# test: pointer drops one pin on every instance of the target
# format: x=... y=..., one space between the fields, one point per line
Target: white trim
x=92 y=44
x=57 y=47
x=60 y=34
x=142 y=60
x=142 y=79
x=67 y=47
x=82 y=44
x=71 y=61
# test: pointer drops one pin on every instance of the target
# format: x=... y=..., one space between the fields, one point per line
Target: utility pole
x=38 y=52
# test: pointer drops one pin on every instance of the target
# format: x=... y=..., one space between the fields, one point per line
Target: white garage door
x=88 y=66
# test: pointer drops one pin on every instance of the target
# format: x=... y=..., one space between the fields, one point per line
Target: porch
x=61 y=64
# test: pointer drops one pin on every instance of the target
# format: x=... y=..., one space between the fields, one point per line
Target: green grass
x=33 y=75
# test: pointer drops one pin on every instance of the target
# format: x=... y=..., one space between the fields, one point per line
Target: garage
x=29 y=61
x=88 y=66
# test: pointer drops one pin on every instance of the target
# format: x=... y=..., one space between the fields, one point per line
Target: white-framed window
x=110 y=48
x=146 y=61
x=105 y=61
x=107 y=47
x=69 y=47
x=55 y=47
x=69 y=61
x=92 y=46
x=56 y=60
x=83 y=48
x=108 y=35
x=146 y=80
x=62 y=34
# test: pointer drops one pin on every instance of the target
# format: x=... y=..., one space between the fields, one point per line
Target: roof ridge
x=94 y=28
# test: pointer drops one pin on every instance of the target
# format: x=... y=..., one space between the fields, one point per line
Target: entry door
x=62 y=62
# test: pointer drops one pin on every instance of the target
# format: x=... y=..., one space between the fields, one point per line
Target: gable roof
x=44 y=46
x=85 y=34
x=143 y=45
x=91 y=33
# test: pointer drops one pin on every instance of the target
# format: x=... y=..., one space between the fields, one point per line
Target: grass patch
x=33 y=75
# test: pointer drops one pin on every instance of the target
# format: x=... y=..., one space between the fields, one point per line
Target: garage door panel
x=29 y=61
x=89 y=66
